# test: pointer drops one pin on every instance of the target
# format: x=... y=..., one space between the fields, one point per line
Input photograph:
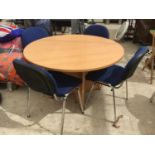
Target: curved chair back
x=97 y=30
x=35 y=77
x=133 y=62
x=33 y=33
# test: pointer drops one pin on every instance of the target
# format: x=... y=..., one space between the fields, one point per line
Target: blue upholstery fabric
x=141 y=51
x=12 y=35
x=45 y=24
x=111 y=75
x=41 y=80
x=115 y=74
x=65 y=83
x=33 y=33
x=134 y=61
x=97 y=30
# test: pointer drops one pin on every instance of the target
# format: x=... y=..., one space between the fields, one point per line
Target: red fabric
x=13 y=26
x=7 y=70
x=15 y=43
x=5 y=30
x=8 y=52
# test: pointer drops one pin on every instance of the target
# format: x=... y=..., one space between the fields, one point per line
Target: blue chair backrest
x=33 y=33
x=133 y=62
x=35 y=77
x=97 y=30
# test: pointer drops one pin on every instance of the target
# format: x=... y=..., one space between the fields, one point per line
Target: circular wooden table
x=74 y=53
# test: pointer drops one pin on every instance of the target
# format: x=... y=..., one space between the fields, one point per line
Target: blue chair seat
x=112 y=75
x=65 y=83
x=115 y=75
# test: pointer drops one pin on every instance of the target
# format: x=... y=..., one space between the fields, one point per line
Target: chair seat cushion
x=65 y=83
x=111 y=75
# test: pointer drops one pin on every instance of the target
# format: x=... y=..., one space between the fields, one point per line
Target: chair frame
x=126 y=76
x=116 y=118
x=50 y=85
x=57 y=99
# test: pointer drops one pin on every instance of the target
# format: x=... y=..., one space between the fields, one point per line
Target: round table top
x=74 y=53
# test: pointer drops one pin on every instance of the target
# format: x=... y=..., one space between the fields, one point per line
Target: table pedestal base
x=85 y=86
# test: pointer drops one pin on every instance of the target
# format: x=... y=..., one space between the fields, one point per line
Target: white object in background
x=122 y=30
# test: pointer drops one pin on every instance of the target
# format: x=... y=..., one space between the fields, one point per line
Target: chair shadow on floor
x=41 y=106
x=144 y=111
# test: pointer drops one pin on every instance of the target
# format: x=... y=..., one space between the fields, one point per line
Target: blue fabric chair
x=54 y=83
x=31 y=34
x=97 y=30
x=115 y=75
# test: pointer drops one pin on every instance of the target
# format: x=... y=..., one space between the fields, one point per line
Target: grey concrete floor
x=138 y=113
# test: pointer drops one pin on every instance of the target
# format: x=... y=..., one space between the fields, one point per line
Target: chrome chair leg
x=116 y=119
x=114 y=104
x=63 y=115
x=126 y=90
x=80 y=101
x=28 y=102
x=91 y=89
